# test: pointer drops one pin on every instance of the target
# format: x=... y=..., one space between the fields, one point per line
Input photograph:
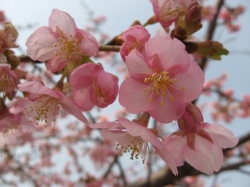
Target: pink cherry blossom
x=200 y=144
x=93 y=86
x=61 y=42
x=167 y=11
x=101 y=155
x=8 y=79
x=8 y=36
x=162 y=81
x=134 y=38
x=134 y=136
x=44 y=103
x=244 y=106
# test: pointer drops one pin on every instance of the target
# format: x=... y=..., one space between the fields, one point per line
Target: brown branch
x=113 y=48
x=210 y=32
x=165 y=176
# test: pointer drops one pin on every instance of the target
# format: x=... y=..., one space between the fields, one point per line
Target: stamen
x=160 y=84
x=68 y=45
x=134 y=144
x=44 y=109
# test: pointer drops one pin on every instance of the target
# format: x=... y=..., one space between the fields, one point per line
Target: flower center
x=136 y=45
x=68 y=46
x=7 y=84
x=134 y=144
x=43 y=109
x=159 y=85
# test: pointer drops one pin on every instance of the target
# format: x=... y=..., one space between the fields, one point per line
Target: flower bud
x=191 y=119
x=194 y=12
x=211 y=49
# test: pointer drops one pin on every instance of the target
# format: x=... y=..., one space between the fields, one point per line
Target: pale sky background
x=120 y=14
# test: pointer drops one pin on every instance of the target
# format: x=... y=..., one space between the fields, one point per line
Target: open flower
x=61 y=42
x=134 y=38
x=200 y=144
x=167 y=11
x=134 y=136
x=162 y=81
x=93 y=86
x=44 y=103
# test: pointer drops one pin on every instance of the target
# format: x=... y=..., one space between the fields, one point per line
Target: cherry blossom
x=44 y=103
x=93 y=86
x=8 y=79
x=199 y=143
x=162 y=81
x=61 y=42
x=134 y=38
x=101 y=155
x=167 y=11
x=134 y=136
x=8 y=36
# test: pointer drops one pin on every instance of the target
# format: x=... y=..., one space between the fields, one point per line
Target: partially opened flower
x=61 y=42
x=200 y=144
x=134 y=136
x=161 y=81
x=44 y=103
x=134 y=38
x=167 y=11
x=93 y=86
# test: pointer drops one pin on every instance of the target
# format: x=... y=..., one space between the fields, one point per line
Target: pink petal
x=107 y=125
x=171 y=110
x=138 y=32
x=63 y=21
x=165 y=154
x=221 y=135
x=83 y=72
x=134 y=129
x=56 y=63
x=82 y=98
x=171 y=52
x=207 y=157
x=36 y=88
x=41 y=44
x=192 y=81
x=137 y=65
x=121 y=137
x=132 y=96
x=89 y=44
x=175 y=145
x=71 y=108
x=108 y=85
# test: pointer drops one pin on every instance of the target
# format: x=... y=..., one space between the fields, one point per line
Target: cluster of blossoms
x=229 y=15
x=162 y=83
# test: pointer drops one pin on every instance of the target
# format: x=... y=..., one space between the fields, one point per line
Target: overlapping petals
x=44 y=103
x=167 y=11
x=93 y=86
x=61 y=42
x=200 y=144
x=133 y=136
x=161 y=81
x=134 y=38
